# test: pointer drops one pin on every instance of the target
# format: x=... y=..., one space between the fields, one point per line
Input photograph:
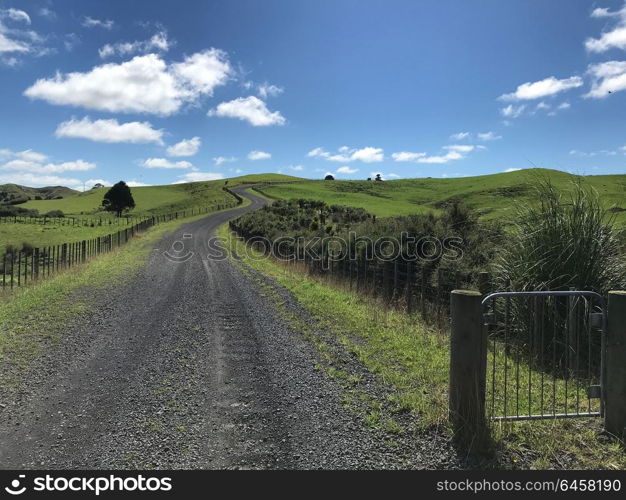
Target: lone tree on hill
x=329 y=177
x=378 y=177
x=118 y=198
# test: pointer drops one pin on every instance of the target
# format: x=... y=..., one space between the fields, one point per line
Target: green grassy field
x=493 y=196
x=155 y=199
x=149 y=200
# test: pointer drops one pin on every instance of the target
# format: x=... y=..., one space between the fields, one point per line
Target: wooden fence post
x=615 y=385
x=468 y=362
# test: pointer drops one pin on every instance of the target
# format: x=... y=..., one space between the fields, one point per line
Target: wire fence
x=415 y=286
x=28 y=265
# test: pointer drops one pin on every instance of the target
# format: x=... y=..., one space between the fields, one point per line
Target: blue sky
x=157 y=92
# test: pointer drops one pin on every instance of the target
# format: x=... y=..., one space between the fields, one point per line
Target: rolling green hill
x=12 y=194
x=493 y=196
x=155 y=199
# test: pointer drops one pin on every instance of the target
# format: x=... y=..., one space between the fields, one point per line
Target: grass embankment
x=33 y=317
x=412 y=359
x=492 y=196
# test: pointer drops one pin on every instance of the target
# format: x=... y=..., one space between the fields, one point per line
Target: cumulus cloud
x=297 y=168
x=512 y=169
x=218 y=160
x=145 y=84
x=607 y=77
x=250 y=109
x=453 y=152
x=404 y=156
x=17 y=41
x=165 y=163
x=615 y=37
x=198 y=177
x=33 y=169
x=158 y=42
x=109 y=131
x=90 y=22
x=186 y=147
x=347 y=170
x=259 y=155
x=346 y=154
x=543 y=88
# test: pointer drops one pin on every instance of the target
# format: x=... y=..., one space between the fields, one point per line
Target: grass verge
x=412 y=359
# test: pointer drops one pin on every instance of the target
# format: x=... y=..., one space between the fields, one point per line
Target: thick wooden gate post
x=468 y=361
x=615 y=385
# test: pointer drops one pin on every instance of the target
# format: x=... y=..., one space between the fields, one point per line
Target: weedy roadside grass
x=33 y=317
x=413 y=359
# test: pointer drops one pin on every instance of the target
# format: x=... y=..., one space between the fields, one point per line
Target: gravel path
x=191 y=366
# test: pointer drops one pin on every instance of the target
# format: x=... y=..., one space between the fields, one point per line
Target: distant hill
x=13 y=194
x=492 y=196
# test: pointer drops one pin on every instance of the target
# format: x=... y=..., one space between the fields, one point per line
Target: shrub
x=568 y=240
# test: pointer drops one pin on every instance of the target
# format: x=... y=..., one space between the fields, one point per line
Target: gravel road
x=190 y=366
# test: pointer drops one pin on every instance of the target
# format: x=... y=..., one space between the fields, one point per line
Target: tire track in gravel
x=186 y=366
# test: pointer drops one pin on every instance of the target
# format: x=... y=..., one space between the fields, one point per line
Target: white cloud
x=35 y=180
x=16 y=15
x=460 y=148
x=511 y=111
x=135 y=184
x=203 y=71
x=109 y=131
x=488 y=136
x=165 y=163
x=543 y=88
x=564 y=105
x=449 y=156
x=368 y=155
x=186 y=147
x=250 y=109
x=145 y=84
x=158 y=42
x=407 y=155
x=19 y=165
x=218 y=160
x=393 y=176
x=347 y=154
x=614 y=38
x=607 y=77
x=259 y=155
x=198 y=177
x=90 y=22
x=460 y=136
x=266 y=90
x=347 y=170
x=297 y=168
x=33 y=169
x=511 y=170
x=15 y=40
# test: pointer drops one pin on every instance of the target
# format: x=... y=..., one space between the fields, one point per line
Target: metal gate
x=545 y=356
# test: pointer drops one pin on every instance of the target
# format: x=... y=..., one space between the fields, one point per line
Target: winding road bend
x=187 y=366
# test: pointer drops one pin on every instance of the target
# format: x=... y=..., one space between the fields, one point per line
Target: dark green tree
x=378 y=178
x=118 y=199
x=329 y=177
